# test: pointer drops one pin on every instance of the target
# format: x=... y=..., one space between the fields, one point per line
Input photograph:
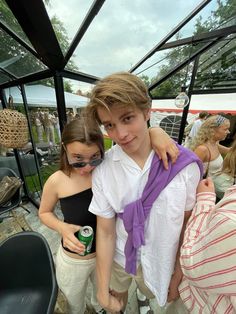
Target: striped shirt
x=208 y=256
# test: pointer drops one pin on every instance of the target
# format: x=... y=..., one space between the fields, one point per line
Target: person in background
x=208 y=254
x=206 y=144
x=39 y=126
x=82 y=150
x=141 y=208
x=56 y=125
x=197 y=124
x=195 y=127
x=227 y=176
x=69 y=115
x=49 y=127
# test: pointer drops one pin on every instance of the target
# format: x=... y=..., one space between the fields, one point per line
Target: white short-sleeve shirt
x=119 y=181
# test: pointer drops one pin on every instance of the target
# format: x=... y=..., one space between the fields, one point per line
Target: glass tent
x=69 y=45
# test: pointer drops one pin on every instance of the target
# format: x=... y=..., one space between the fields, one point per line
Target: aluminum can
x=85 y=236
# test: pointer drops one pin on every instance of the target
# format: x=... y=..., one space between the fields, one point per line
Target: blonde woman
x=227 y=176
x=206 y=144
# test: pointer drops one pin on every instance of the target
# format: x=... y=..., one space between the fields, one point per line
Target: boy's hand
x=173 y=292
x=112 y=304
x=206 y=185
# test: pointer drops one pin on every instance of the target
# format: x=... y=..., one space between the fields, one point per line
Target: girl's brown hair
x=229 y=163
x=79 y=130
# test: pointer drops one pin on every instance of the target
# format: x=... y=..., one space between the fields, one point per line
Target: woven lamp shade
x=13 y=129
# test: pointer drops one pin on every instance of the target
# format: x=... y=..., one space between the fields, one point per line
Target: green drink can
x=85 y=236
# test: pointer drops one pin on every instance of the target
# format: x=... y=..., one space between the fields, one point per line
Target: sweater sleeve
x=208 y=254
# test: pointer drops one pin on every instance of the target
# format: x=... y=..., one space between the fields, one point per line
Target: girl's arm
x=223 y=149
x=46 y=214
x=163 y=145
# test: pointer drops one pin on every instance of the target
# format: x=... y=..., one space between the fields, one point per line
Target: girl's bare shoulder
x=202 y=151
x=56 y=178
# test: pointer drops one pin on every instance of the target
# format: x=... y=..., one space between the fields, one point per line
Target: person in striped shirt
x=208 y=253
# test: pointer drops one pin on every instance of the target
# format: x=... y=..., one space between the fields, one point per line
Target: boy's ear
x=147 y=114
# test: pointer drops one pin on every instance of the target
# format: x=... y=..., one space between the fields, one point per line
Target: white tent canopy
x=213 y=103
x=44 y=96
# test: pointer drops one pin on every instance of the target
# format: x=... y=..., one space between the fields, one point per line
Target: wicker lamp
x=13 y=128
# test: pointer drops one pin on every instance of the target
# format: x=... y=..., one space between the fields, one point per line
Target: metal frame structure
x=45 y=47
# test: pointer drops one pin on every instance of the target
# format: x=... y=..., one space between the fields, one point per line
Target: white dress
x=222 y=182
x=214 y=167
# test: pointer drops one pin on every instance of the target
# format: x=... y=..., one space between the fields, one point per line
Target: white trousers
x=72 y=278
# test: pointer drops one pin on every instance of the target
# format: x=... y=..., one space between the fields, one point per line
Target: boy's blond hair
x=122 y=88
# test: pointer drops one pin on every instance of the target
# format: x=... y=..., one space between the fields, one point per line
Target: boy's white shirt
x=119 y=181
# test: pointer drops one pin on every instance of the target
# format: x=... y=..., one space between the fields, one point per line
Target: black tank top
x=75 y=211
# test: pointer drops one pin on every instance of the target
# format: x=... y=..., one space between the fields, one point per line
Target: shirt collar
x=120 y=155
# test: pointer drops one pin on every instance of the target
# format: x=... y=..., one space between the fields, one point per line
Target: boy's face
x=127 y=126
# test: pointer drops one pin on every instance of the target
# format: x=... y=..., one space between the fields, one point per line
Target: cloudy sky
x=123 y=31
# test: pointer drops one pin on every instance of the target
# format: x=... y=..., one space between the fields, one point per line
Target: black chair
x=16 y=198
x=27 y=275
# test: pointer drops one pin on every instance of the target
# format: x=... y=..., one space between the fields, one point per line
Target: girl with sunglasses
x=82 y=149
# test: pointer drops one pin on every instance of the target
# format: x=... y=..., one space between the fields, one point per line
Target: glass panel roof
x=172 y=86
x=66 y=17
x=217 y=67
x=77 y=87
x=4 y=77
x=121 y=34
x=10 y=21
x=16 y=59
x=212 y=16
x=163 y=61
x=124 y=31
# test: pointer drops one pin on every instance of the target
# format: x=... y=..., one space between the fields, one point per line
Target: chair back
x=27 y=273
x=16 y=198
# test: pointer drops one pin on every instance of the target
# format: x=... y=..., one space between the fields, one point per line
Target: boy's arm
x=192 y=177
x=176 y=278
x=163 y=145
x=105 y=239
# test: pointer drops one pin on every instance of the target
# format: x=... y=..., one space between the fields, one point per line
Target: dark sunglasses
x=92 y=163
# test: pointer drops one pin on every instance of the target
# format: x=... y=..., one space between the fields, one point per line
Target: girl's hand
x=163 y=145
x=69 y=239
x=206 y=185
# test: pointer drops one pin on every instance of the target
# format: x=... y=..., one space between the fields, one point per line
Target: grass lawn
x=32 y=182
x=107 y=143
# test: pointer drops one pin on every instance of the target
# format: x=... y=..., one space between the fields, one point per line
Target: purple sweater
x=136 y=213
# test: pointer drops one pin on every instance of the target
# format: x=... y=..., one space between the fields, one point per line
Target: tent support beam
x=96 y=6
x=60 y=96
x=79 y=76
